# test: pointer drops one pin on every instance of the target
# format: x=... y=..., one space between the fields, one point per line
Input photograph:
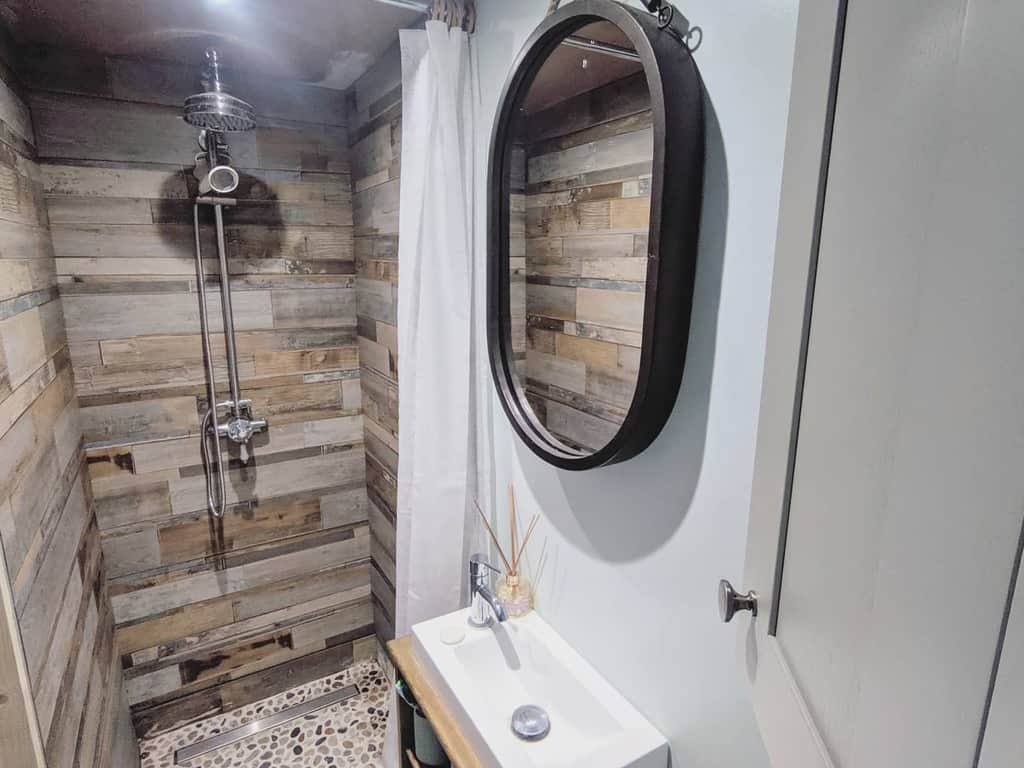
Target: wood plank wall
x=376 y=136
x=211 y=617
x=584 y=214
x=48 y=527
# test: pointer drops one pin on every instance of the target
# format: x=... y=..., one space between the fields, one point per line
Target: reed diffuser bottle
x=513 y=590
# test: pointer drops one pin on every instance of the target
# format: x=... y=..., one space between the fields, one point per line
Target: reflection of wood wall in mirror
x=517 y=256
x=579 y=270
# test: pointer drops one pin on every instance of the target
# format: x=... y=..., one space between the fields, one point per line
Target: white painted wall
x=628 y=558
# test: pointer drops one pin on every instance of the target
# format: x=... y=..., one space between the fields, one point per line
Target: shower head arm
x=214 y=146
x=211 y=71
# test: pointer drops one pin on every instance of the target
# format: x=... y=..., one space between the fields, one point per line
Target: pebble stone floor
x=347 y=734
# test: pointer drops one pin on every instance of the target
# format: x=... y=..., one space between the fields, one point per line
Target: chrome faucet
x=482 y=601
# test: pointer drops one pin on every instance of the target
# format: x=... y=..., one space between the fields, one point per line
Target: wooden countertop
x=440 y=716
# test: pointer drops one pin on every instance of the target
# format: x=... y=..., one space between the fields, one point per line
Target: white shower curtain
x=438 y=375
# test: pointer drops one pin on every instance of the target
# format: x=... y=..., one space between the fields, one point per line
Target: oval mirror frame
x=677 y=180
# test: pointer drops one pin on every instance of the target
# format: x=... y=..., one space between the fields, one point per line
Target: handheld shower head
x=220 y=180
x=214 y=109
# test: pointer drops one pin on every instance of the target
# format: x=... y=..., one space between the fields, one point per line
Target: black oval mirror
x=596 y=176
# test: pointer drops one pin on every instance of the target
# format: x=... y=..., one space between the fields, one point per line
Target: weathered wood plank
x=133 y=504
x=600 y=105
x=78 y=268
x=190 y=537
x=302 y=360
x=187 y=620
x=558 y=371
x=376 y=356
x=135 y=419
x=588 y=351
x=105 y=317
x=91 y=241
x=21 y=241
x=100 y=129
x=550 y=256
x=568 y=219
x=600 y=155
x=313 y=308
x=613 y=385
x=630 y=213
x=580 y=428
x=68 y=209
x=616 y=268
x=261 y=241
x=586 y=135
x=615 y=309
x=148 y=349
x=104 y=182
x=615 y=335
x=375 y=210
x=149 y=377
x=377 y=299
x=552 y=301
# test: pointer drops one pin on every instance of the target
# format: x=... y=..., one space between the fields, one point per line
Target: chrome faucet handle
x=480 y=559
x=483 y=602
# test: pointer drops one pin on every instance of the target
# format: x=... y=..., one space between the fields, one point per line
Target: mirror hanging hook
x=687 y=34
x=664 y=11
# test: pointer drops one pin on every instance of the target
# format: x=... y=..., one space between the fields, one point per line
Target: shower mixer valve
x=241 y=425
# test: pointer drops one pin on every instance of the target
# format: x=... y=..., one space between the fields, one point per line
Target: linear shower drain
x=192 y=751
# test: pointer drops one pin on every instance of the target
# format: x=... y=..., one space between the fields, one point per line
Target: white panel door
x=889 y=486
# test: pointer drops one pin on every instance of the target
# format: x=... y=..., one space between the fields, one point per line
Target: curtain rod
x=410 y=5
x=617 y=51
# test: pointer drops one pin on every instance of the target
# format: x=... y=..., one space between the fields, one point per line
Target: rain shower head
x=214 y=109
x=219 y=112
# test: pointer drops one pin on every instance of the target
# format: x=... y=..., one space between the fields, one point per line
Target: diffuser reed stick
x=497 y=545
x=518 y=556
x=518 y=547
x=512 y=525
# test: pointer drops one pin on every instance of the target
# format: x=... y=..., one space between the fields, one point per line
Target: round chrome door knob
x=730 y=601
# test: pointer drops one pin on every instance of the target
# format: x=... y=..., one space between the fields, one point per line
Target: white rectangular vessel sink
x=490 y=672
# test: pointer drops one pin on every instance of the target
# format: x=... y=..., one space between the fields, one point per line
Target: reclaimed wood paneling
x=376 y=135
x=582 y=214
x=209 y=615
x=52 y=563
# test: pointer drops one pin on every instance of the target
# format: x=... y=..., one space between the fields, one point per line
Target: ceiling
x=568 y=71
x=327 y=42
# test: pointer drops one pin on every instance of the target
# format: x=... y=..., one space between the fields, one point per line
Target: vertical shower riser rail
x=240 y=426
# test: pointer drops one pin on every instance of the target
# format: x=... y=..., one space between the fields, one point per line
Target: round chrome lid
x=530 y=722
